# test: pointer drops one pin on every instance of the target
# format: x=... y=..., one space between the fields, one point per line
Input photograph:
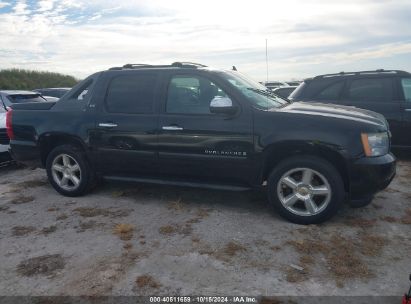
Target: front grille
x=4 y=139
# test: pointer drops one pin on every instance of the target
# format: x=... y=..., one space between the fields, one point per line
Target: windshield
x=21 y=98
x=260 y=97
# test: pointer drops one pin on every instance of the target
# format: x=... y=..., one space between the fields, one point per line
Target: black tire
x=328 y=171
x=87 y=176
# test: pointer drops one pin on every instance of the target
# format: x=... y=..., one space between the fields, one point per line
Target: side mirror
x=222 y=105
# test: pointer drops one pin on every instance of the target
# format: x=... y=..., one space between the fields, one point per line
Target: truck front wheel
x=306 y=189
x=68 y=170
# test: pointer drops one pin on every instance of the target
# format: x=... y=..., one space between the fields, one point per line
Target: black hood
x=336 y=111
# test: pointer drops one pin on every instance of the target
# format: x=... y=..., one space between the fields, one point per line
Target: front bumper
x=369 y=175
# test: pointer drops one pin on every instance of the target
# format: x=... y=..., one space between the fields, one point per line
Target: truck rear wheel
x=306 y=189
x=68 y=171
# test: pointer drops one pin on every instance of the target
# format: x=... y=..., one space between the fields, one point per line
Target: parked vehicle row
x=186 y=124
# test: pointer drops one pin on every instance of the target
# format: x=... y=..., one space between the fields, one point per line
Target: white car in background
x=4 y=139
x=3 y=133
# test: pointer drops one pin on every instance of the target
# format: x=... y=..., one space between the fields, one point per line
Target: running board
x=177 y=183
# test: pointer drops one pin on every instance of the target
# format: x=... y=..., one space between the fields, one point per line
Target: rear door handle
x=172 y=128
x=107 y=125
x=408 y=110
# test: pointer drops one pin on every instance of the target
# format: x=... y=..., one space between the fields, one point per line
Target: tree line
x=17 y=79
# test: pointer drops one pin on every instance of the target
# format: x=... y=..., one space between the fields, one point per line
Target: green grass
x=16 y=79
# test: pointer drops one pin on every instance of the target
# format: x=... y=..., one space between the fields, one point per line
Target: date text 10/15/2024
x=203 y=299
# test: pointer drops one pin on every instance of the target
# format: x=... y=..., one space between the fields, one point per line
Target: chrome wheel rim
x=66 y=172
x=304 y=191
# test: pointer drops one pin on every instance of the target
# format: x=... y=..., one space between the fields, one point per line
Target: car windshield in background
x=259 y=95
x=58 y=93
x=21 y=98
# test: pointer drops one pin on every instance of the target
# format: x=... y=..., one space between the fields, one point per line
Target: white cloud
x=3 y=4
x=80 y=37
x=21 y=8
x=45 y=5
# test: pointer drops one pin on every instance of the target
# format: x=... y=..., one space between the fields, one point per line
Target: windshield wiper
x=269 y=94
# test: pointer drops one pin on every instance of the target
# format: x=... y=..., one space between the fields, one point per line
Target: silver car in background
x=10 y=97
x=4 y=140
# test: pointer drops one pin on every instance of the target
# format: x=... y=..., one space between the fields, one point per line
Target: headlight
x=375 y=144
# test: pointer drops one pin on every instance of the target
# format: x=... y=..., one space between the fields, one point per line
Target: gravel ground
x=133 y=239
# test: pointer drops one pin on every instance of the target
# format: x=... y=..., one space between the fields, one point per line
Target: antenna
x=266 y=56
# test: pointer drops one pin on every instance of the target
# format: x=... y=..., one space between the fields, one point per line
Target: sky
x=304 y=37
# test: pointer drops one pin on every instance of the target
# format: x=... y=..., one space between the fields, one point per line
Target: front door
x=125 y=137
x=197 y=145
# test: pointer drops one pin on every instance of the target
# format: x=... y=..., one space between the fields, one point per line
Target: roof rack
x=379 y=71
x=191 y=65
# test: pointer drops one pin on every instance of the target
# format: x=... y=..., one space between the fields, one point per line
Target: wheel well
x=277 y=154
x=49 y=142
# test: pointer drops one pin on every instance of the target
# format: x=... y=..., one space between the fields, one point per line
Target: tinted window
x=406 y=87
x=284 y=92
x=131 y=94
x=191 y=94
x=21 y=98
x=332 y=92
x=371 y=89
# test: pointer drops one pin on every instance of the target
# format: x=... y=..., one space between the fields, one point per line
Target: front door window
x=191 y=95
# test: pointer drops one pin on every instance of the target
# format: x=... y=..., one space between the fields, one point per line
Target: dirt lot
x=131 y=239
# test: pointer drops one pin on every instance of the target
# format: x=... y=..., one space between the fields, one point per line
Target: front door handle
x=172 y=128
x=107 y=125
x=407 y=110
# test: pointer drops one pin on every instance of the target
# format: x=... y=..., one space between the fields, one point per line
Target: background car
x=50 y=98
x=295 y=83
x=387 y=92
x=284 y=91
x=274 y=84
x=11 y=97
x=52 y=92
x=4 y=139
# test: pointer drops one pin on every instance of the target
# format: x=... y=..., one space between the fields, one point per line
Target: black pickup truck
x=189 y=125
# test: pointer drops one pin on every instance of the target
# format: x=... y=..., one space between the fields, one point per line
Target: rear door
x=197 y=145
x=126 y=124
x=405 y=91
x=377 y=94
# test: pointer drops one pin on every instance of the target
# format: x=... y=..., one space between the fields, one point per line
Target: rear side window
x=132 y=94
x=371 y=89
x=332 y=92
x=406 y=87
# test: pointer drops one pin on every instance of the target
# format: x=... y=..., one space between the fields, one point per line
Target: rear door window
x=331 y=92
x=371 y=89
x=406 y=87
x=132 y=94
